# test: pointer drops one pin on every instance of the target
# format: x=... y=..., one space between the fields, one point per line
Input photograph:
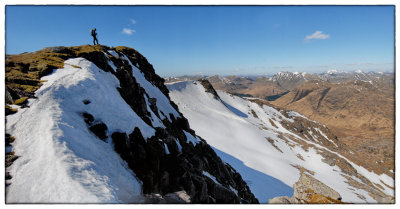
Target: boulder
x=309 y=190
x=307 y=183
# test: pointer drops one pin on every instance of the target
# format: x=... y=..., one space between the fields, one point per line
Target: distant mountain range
x=258 y=86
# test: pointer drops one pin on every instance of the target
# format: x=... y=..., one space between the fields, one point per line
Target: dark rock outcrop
x=10 y=96
x=96 y=127
x=209 y=88
x=100 y=130
x=183 y=166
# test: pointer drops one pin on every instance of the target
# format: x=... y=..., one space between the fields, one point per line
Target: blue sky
x=225 y=40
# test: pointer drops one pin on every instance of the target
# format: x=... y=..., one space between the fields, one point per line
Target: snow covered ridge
x=102 y=129
x=60 y=160
x=271 y=148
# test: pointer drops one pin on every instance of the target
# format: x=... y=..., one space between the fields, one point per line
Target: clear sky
x=224 y=40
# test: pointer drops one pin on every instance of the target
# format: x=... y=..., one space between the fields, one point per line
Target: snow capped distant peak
x=287 y=74
x=332 y=72
x=359 y=71
x=282 y=73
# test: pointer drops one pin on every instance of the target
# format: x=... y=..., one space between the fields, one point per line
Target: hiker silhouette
x=94 y=34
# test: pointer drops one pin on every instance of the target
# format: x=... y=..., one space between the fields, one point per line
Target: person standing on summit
x=94 y=34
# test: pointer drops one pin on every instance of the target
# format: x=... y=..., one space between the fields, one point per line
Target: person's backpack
x=91 y=31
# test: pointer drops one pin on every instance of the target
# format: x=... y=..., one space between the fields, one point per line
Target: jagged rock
x=100 y=130
x=209 y=88
x=121 y=142
x=10 y=96
x=152 y=101
x=88 y=118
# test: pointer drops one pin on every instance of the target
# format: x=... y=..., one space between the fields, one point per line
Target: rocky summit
x=95 y=124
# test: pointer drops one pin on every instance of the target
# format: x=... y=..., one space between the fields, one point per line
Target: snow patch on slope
x=110 y=62
x=191 y=139
x=113 y=53
x=163 y=105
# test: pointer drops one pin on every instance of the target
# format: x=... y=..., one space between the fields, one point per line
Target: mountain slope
x=99 y=127
x=360 y=113
x=279 y=144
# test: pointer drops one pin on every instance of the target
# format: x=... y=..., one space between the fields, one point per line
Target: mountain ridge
x=111 y=98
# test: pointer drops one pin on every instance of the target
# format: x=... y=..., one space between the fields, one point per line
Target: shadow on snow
x=263 y=186
x=234 y=110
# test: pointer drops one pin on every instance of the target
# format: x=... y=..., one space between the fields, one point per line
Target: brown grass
x=23 y=71
x=321 y=199
x=272 y=123
x=315 y=198
x=21 y=101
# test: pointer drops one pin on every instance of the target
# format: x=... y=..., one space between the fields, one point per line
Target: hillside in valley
x=360 y=113
x=260 y=87
x=95 y=124
x=282 y=155
x=256 y=87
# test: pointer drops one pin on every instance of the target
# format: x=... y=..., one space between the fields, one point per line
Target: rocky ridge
x=171 y=169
